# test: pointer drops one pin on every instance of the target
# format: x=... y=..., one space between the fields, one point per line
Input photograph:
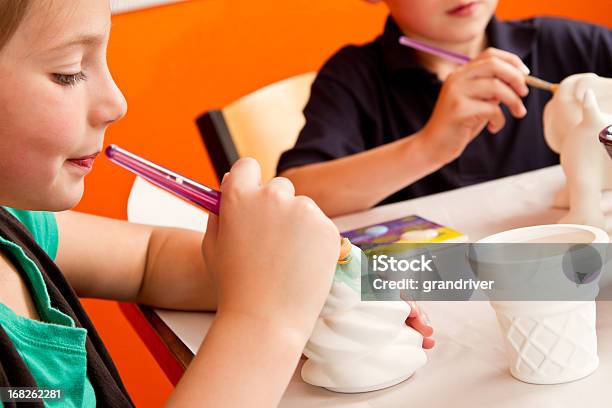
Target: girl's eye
x=69 y=79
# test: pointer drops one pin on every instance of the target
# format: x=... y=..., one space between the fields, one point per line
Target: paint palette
x=409 y=229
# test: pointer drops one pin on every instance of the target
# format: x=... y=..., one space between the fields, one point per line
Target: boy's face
x=56 y=99
x=445 y=21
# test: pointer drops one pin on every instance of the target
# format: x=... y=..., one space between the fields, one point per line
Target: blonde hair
x=11 y=15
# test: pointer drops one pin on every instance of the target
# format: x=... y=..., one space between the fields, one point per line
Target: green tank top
x=52 y=348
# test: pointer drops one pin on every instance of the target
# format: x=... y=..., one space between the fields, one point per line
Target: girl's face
x=444 y=21
x=57 y=98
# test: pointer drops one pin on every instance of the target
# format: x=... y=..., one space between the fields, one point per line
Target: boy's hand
x=272 y=254
x=470 y=100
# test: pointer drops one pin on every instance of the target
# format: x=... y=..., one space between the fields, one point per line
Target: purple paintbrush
x=194 y=192
x=462 y=59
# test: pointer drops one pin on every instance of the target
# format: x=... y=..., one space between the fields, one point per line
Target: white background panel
x=121 y=6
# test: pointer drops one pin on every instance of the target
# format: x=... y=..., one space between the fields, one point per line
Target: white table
x=467 y=368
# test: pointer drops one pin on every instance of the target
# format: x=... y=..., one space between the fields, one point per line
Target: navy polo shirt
x=370 y=95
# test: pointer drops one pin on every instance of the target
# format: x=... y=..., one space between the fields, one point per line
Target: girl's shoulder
x=41 y=225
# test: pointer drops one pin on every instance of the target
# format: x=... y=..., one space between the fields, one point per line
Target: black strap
x=102 y=373
x=15 y=373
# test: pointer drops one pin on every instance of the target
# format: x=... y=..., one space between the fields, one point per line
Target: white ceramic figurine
x=579 y=110
x=360 y=346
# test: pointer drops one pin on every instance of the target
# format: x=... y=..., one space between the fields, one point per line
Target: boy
x=386 y=123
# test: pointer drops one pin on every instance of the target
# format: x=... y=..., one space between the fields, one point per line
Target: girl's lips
x=464 y=10
x=85 y=162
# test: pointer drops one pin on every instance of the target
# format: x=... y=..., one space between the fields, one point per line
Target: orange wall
x=594 y=11
x=174 y=62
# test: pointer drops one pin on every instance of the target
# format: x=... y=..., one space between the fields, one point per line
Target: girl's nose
x=110 y=105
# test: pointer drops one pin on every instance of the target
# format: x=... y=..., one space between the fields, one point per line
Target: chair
x=149 y=204
x=262 y=125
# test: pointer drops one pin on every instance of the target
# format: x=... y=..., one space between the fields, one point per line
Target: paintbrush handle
x=541 y=84
x=463 y=59
x=430 y=49
x=175 y=183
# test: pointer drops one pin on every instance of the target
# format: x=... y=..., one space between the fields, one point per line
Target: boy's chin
x=464 y=34
x=466 y=30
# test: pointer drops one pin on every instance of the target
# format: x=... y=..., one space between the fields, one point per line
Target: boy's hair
x=11 y=14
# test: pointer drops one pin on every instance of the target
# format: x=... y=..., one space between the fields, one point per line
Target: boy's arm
x=113 y=259
x=358 y=182
x=469 y=101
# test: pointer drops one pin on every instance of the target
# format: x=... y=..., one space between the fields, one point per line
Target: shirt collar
x=508 y=36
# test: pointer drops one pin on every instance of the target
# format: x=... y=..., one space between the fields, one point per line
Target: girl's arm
x=112 y=259
x=272 y=256
x=243 y=362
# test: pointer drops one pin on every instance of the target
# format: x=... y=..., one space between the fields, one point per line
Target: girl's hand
x=272 y=254
x=419 y=321
x=470 y=100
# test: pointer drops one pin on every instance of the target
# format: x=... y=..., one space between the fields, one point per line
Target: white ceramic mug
x=550 y=342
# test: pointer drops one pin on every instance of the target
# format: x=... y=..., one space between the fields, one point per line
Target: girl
x=56 y=100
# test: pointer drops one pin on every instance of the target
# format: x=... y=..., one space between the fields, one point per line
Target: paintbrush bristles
x=541 y=84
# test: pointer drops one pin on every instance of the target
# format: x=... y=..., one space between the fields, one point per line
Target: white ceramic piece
x=550 y=342
x=360 y=346
x=573 y=118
